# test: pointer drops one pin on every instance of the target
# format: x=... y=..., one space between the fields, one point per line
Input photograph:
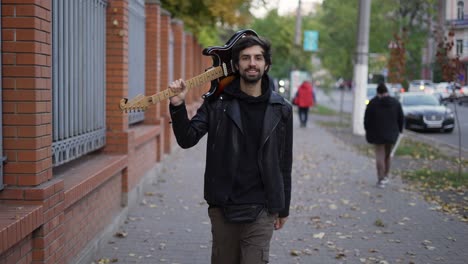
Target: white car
x=372 y=92
x=443 y=90
x=425 y=86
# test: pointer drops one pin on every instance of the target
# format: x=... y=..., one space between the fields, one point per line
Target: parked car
x=443 y=90
x=425 y=86
x=372 y=91
x=424 y=112
x=460 y=91
x=462 y=95
x=395 y=87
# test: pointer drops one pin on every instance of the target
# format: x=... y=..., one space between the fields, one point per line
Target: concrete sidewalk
x=337 y=214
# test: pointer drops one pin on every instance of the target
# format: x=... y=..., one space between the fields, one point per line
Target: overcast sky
x=284 y=6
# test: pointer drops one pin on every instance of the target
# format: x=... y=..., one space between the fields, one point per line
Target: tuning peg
x=123 y=103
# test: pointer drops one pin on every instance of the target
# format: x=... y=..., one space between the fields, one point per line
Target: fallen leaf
x=295 y=252
x=121 y=234
x=379 y=223
x=319 y=235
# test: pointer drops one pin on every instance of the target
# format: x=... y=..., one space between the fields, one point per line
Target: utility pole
x=297 y=35
x=361 y=68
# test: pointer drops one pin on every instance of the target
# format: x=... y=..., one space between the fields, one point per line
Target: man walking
x=383 y=122
x=249 y=155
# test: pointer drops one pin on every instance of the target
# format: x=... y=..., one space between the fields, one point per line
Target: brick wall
x=153 y=70
x=82 y=227
x=59 y=211
x=177 y=27
x=153 y=60
x=26 y=70
x=165 y=31
x=189 y=69
x=22 y=253
x=117 y=75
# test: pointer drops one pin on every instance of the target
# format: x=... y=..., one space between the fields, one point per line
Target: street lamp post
x=361 y=68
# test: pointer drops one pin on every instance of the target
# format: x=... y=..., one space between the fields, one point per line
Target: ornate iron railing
x=136 y=54
x=78 y=78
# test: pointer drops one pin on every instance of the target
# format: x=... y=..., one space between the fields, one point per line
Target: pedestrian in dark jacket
x=383 y=122
x=304 y=99
x=249 y=155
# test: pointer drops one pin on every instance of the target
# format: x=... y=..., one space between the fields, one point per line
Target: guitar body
x=222 y=55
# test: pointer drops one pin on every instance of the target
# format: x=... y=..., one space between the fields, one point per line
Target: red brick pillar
x=189 y=65
x=207 y=62
x=179 y=49
x=198 y=65
x=27 y=131
x=165 y=33
x=153 y=69
x=27 y=92
x=116 y=75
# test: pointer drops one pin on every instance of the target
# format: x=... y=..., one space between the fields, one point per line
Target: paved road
x=337 y=214
x=343 y=101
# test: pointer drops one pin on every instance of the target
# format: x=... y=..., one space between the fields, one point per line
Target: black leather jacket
x=221 y=119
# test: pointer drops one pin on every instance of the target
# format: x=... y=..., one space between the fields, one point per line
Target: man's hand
x=279 y=222
x=180 y=89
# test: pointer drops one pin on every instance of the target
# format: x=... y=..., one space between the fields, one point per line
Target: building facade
x=455 y=17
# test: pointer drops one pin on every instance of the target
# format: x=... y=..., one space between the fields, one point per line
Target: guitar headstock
x=137 y=104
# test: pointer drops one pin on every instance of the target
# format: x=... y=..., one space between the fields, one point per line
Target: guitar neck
x=205 y=77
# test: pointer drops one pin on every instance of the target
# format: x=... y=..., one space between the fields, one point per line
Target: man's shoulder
x=277 y=98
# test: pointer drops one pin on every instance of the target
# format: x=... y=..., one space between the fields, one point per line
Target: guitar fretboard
x=207 y=76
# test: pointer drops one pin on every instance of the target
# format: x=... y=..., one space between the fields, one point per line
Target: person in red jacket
x=304 y=99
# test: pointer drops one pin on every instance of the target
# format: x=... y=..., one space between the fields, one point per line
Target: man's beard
x=251 y=79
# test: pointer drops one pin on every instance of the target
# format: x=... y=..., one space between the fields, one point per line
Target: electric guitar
x=220 y=75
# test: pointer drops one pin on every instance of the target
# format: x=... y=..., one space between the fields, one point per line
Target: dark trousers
x=382 y=159
x=303 y=115
x=240 y=243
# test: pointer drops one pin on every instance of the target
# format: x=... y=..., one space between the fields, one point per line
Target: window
x=459 y=46
x=460 y=7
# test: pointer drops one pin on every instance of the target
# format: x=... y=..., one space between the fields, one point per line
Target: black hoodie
x=248 y=186
x=383 y=120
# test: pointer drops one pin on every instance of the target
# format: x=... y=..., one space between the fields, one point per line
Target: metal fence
x=136 y=54
x=78 y=77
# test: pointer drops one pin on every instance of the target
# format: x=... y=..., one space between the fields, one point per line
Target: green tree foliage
x=206 y=18
x=415 y=17
x=336 y=20
x=280 y=30
x=339 y=21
